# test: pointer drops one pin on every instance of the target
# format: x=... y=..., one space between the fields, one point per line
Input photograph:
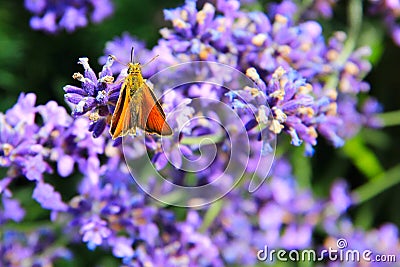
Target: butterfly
x=137 y=107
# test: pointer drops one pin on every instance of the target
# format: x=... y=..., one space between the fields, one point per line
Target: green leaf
x=391 y=118
x=211 y=214
x=302 y=168
x=377 y=185
x=372 y=36
x=362 y=157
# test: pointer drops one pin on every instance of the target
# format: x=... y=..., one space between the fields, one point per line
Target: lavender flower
x=52 y=16
x=94 y=231
x=253 y=39
x=291 y=65
x=294 y=109
x=381 y=241
x=29 y=149
x=149 y=234
x=389 y=11
x=121 y=48
x=97 y=96
x=12 y=210
x=35 y=248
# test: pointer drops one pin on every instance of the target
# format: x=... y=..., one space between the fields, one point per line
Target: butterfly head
x=134 y=68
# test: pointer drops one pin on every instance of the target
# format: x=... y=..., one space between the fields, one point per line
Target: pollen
x=306 y=46
x=332 y=109
x=279 y=114
x=200 y=17
x=7 y=149
x=281 y=19
x=332 y=55
x=312 y=132
x=107 y=79
x=279 y=94
x=78 y=76
x=309 y=111
x=276 y=127
x=278 y=73
x=284 y=50
x=184 y=15
x=332 y=94
x=94 y=116
x=205 y=52
x=252 y=74
x=221 y=25
x=54 y=134
x=253 y=91
x=178 y=23
x=351 y=68
x=305 y=89
x=259 y=39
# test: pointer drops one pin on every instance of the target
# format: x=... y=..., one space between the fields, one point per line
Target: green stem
x=354 y=13
x=302 y=7
x=27 y=227
x=377 y=185
x=363 y=157
x=211 y=214
x=203 y=139
x=391 y=118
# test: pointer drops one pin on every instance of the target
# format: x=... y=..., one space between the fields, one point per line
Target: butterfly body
x=137 y=106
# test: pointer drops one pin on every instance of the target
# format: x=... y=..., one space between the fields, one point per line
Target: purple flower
x=370 y=109
x=16 y=132
x=261 y=45
x=122 y=247
x=290 y=64
x=340 y=197
x=380 y=241
x=35 y=167
x=94 y=231
x=12 y=210
x=48 y=198
x=121 y=47
x=320 y=8
x=31 y=248
x=52 y=17
x=97 y=95
x=23 y=111
x=286 y=105
x=390 y=12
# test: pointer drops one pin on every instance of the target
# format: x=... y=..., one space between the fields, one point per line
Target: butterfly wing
x=121 y=118
x=151 y=116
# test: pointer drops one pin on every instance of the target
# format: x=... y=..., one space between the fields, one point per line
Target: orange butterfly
x=137 y=106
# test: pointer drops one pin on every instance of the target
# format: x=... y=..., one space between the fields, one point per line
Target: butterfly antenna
x=132 y=53
x=151 y=60
x=116 y=59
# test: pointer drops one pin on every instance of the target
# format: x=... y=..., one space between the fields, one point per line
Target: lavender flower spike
x=96 y=97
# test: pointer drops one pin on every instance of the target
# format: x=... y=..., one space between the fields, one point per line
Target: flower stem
x=203 y=139
x=391 y=118
x=211 y=214
x=354 y=13
x=303 y=6
x=377 y=185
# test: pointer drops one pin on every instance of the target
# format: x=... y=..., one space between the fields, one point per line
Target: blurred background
x=34 y=61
